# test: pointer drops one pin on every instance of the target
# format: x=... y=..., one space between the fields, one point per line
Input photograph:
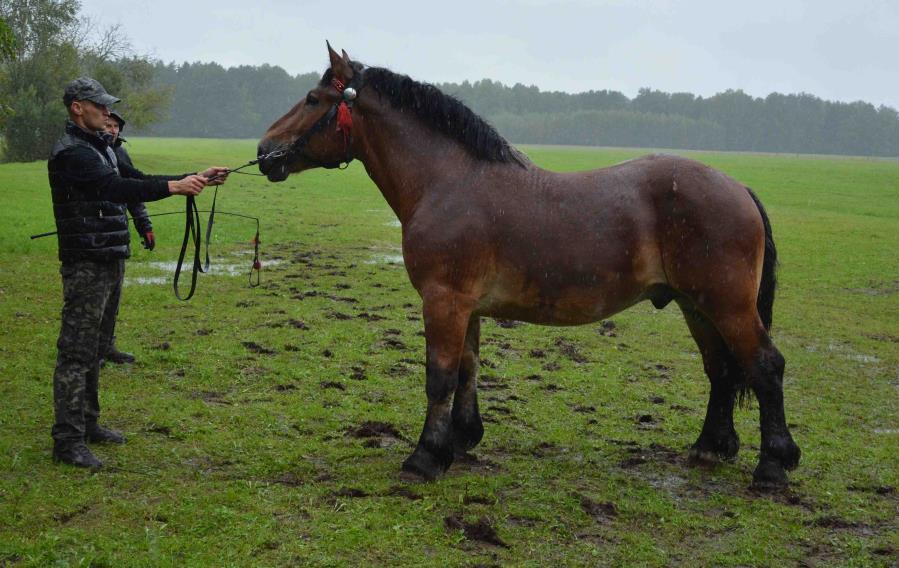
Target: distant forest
x=241 y=102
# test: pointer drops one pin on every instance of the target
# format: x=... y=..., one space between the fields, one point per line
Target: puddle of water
x=863 y=358
x=218 y=269
x=143 y=281
x=385 y=259
x=886 y=430
x=394 y=223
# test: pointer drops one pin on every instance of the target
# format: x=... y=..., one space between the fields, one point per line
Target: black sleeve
x=84 y=167
x=140 y=217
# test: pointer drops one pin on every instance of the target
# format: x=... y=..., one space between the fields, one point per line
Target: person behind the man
x=89 y=198
x=109 y=350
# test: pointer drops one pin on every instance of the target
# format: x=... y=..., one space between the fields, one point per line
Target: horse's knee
x=440 y=384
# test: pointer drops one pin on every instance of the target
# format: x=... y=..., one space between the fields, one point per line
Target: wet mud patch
x=290 y=479
x=608 y=329
x=491 y=382
x=390 y=342
x=286 y=387
x=883 y=490
x=350 y=493
x=254 y=347
x=478 y=500
x=601 y=512
x=652 y=453
x=376 y=434
x=297 y=324
x=357 y=373
x=203 y=332
x=63 y=518
x=647 y=421
x=570 y=350
x=508 y=324
x=877 y=288
x=340 y=316
x=882 y=337
x=211 y=397
x=332 y=385
x=161 y=429
x=404 y=492
x=370 y=317
x=478 y=531
x=469 y=463
x=658 y=371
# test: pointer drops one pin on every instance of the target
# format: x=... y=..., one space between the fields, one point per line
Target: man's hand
x=149 y=240
x=219 y=175
x=191 y=185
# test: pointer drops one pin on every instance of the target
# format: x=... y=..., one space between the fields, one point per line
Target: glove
x=148 y=240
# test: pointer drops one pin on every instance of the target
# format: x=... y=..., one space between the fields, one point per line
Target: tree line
x=209 y=100
x=44 y=44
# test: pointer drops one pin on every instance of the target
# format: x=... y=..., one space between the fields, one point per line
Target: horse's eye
x=311 y=100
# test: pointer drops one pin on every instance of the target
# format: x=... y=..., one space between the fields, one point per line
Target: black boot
x=75 y=453
x=117 y=357
x=99 y=435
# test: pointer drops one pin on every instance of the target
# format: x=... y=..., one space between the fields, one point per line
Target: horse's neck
x=405 y=158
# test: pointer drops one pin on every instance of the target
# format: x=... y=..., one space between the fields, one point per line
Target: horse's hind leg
x=446 y=316
x=763 y=367
x=718 y=439
x=467 y=426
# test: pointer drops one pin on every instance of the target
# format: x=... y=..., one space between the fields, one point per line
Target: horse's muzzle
x=273 y=167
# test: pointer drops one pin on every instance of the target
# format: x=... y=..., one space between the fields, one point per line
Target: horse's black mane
x=445 y=113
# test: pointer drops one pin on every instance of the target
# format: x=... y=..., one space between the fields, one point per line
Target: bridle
x=342 y=110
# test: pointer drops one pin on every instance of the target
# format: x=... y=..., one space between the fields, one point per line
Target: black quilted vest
x=88 y=227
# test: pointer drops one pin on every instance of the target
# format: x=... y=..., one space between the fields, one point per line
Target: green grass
x=242 y=458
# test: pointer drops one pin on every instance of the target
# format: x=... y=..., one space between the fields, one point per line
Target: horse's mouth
x=274 y=171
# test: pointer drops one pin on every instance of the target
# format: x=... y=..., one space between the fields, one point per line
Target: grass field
x=267 y=426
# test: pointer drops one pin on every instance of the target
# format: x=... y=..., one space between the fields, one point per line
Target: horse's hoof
x=706 y=453
x=425 y=465
x=769 y=475
x=702 y=458
x=784 y=450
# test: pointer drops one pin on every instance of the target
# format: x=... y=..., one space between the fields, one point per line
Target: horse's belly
x=550 y=302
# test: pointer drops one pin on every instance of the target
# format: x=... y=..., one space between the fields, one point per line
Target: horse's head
x=316 y=131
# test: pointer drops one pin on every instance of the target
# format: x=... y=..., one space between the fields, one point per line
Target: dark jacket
x=138 y=211
x=89 y=196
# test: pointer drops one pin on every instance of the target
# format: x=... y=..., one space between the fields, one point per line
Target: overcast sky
x=838 y=50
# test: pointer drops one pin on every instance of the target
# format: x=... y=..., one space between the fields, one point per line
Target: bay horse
x=488 y=233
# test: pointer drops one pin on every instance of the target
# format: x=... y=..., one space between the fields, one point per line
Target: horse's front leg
x=467 y=426
x=446 y=315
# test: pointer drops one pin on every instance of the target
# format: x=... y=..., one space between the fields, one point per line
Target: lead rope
x=192 y=233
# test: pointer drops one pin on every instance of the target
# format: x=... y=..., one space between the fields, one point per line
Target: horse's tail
x=765 y=302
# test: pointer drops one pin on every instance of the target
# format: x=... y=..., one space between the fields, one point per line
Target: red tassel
x=344 y=119
x=257 y=265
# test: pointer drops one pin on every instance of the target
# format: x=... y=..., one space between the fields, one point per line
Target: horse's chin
x=278 y=173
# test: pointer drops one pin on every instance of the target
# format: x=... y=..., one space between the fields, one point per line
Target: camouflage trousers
x=91 y=292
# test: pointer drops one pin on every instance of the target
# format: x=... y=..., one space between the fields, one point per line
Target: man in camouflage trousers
x=89 y=197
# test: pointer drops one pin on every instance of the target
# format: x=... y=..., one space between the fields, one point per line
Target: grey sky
x=838 y=50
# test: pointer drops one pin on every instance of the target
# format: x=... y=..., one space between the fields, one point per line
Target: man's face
x=112 y=127
x=93 y=115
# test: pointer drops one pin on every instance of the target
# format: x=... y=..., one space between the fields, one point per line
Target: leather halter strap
x=342 y=110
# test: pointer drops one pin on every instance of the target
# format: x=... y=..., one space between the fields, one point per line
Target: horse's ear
x=346 y=57
x=340 y=65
